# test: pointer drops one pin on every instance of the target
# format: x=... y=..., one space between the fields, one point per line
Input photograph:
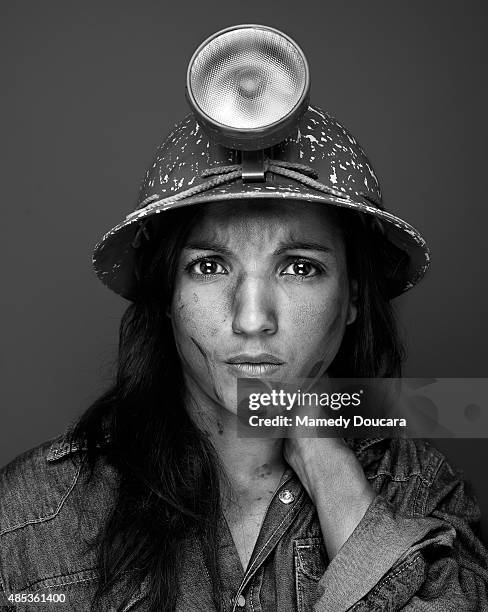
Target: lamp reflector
x=248 y=85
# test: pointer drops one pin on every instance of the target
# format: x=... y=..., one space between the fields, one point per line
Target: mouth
x=254 y=365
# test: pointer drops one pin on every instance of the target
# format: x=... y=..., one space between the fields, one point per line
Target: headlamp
x=248 y=86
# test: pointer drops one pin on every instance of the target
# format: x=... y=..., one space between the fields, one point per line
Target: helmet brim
x=115 y=255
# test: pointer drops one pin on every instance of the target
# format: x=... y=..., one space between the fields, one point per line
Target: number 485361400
x=37 y=598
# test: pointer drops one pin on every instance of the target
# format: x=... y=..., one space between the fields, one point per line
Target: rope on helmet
x=219 y=175
x=288 y=171
x=307 y=170
x=155 y=200
x=226 y=174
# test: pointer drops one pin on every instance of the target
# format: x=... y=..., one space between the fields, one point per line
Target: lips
x=254 y=365
x=261 y=358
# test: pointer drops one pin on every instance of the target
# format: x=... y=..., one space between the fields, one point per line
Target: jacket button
x=286 y=496
x=240 y=601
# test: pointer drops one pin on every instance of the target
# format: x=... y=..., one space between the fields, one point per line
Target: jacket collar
x=66 y=444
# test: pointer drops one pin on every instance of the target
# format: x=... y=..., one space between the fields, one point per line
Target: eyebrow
x=208 y=245
x=289 y=245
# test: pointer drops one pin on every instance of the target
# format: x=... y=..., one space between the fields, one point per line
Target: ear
x=352 y=309
x=168 y=312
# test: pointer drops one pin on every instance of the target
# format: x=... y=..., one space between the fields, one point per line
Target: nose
x=254 y=308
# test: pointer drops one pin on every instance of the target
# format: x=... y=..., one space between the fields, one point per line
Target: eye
x=206 y=267
x=301 y=267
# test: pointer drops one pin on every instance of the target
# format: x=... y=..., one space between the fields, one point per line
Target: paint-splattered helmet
x=321 y=162
x=318 y=161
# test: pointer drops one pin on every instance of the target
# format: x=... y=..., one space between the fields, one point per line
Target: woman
x=153 y=501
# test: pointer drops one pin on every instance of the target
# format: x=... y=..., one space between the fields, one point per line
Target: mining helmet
x=252 y=134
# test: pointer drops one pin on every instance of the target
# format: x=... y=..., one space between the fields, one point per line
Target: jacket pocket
x=310 y=565
x=75 y=593
x=71 y=592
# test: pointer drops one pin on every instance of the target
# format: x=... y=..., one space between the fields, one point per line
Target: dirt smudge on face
x=201 y=351
x=315 y=370
x=262 y=471
x=215 y=388
x=337 y=321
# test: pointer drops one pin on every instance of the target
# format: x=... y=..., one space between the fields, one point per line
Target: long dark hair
x=169 y=472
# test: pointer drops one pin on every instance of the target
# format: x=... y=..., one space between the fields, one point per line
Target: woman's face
x=261 y=290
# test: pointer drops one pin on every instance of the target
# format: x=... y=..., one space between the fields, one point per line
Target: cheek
x=195 y=315
x=333 y=318
x=198 y=321
x=326 y=324
x=318 y=325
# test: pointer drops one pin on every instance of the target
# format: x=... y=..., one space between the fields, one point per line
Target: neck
x=253 y=467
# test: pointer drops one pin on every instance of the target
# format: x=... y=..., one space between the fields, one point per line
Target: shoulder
x=399 y=458
x=48 y=516
x=35 y=484
x=411 y=473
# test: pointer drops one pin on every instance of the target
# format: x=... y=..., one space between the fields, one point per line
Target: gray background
x=90 y=88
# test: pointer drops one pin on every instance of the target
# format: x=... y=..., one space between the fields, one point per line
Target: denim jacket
x=415 y=549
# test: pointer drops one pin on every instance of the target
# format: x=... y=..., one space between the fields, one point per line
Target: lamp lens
x=248 y=78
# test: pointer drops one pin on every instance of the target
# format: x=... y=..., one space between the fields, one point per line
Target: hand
x=319 y=460
x=335 y=482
